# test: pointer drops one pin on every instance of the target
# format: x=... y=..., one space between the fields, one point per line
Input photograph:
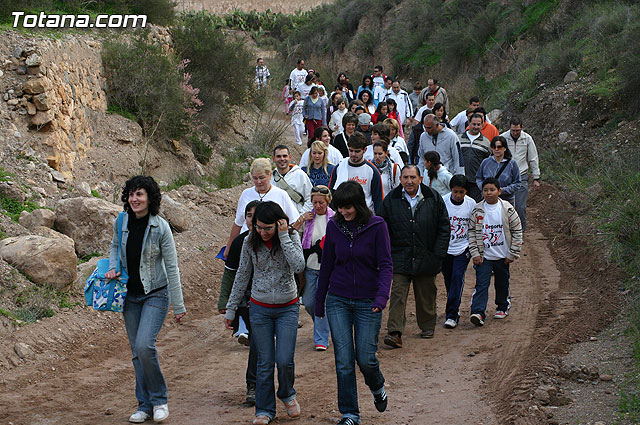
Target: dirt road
x=83 y=374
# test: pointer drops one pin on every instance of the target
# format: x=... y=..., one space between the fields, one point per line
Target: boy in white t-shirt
x=454 y=266
x=495 y=240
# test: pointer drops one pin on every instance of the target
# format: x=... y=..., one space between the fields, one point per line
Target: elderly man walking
x=419 y=230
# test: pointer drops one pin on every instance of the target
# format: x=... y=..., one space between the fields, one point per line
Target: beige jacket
x=511 y=226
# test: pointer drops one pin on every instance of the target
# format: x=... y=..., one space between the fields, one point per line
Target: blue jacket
x=315 y=111
x=509 y=178
x=158 y=261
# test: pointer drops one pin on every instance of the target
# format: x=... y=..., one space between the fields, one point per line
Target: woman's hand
x=228 y=324
x=307 y=216
x=477 y=260
x=282 y=225
x=180 y=316
x=111 y=274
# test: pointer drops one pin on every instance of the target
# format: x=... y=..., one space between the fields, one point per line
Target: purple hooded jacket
x=356 y=269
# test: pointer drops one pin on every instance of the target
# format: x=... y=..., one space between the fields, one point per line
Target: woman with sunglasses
x=354 y=282
x=500 y=166
x=315 y=228
x=270 y=257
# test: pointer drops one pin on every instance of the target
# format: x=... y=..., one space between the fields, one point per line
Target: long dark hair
x=503 y=142
x=350 y=194
x=434 y=158
x=142 y=182
x=267 y=212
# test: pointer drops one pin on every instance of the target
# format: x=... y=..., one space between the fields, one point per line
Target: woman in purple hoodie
x=355 y=278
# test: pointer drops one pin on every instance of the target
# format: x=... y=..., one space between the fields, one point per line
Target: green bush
x=12 y=208
x=222 y=68
x=201 y=149
x=143 y=80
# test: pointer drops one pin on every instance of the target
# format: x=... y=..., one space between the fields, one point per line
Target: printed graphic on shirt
x=492 y=235
x=459 y=227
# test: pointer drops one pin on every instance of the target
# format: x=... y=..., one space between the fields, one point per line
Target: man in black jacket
x=419 y=230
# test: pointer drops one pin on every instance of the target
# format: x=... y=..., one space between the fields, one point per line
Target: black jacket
x=414 y=142
x=340 y=142
x=418 y=242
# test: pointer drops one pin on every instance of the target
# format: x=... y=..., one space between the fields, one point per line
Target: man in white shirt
x=428 y=106
x=291 y=179
x=402 y=101
x=382 y=91
x=523 y=149
x=459 y=122
x=378 y=77
x=298 y=75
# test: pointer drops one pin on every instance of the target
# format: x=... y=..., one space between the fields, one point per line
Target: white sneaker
x=243 y=339
x=139 y=417
x=501 y=315
x=477 y=319
x=450 y=324
x=160 y=413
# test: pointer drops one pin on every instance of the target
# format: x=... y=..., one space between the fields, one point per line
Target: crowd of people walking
x=365 y=215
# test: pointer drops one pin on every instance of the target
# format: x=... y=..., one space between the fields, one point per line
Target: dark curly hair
x=143 y=182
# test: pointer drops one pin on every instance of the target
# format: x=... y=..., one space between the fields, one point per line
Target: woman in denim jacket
x=148 y=255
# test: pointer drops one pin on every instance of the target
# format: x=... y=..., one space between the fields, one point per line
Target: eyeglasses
x=265 y=228
x=318 y=189
x=499 y=147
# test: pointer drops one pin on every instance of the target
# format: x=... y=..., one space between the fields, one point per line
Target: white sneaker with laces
x=500 y=315
x=450 y=324
x=160 y=413
x=139 y=417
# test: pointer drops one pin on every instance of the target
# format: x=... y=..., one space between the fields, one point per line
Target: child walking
x=297 y=116
x=287 y=95
x=459 y=206
x=495 y=240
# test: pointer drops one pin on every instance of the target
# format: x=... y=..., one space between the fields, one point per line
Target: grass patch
x=5 y=176
x=12 y=208
x=96 y=194
x=231 y=173
x=119 y=110
x=88 y=257
x=178 y=183
x=535 y=12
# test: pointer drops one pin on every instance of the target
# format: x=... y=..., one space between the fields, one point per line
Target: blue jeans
x=143 y=318
x=349 y=318
x=453 y=270
x=320 y=324
x=483 y=281
x=267 y=322
x=520 y=200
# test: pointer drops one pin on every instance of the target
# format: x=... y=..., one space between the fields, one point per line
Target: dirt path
x=85 y=376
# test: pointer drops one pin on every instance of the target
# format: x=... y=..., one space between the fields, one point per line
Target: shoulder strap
x=282 y=184
x=503 y=167
x=120 y=219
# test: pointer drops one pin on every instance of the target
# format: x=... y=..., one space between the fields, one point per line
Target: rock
x=88 y=221
x=13 y=102
x=12 y=191
x=51 y=234
x=31 y=108
x=40 y=217
x=35 y=86
x=561 y=400
x=542 y=396
x=23 y=351
x=84 y=271
x=17 y=52
x=57 y=176
x=606 y=378
x=495 y=115
x=570 y=77
x=21 y=70
x=41 y=118
x=83 y=189
x=42 y=101
x=33 y=70
x=33 y=60
x=562 y=137
x=43 y=260
x=1 y=73
x=176 y=214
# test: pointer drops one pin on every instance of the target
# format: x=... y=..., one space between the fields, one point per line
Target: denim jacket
x=159 y=259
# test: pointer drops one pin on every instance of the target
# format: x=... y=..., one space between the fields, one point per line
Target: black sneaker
x=251 y=396
x=347 y=421
x=380 y=401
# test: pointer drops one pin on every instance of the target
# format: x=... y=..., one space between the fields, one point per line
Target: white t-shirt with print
x=274 y=194
x=459 y=218
x=297 y=77
x=495 y=244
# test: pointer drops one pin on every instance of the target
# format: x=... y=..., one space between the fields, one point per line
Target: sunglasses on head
x=317 y=189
